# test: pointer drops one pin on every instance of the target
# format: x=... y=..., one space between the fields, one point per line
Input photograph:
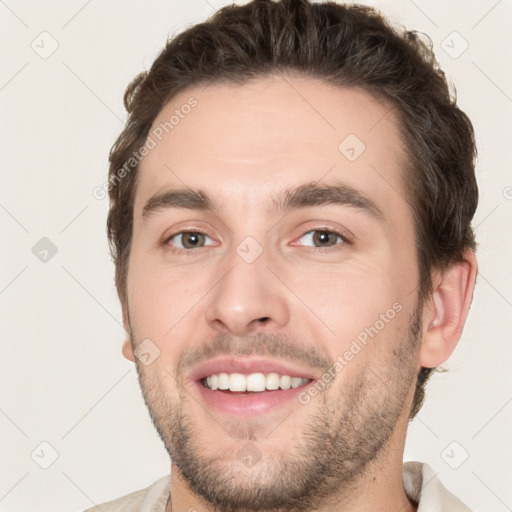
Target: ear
x=127 y=349
x=445 y=314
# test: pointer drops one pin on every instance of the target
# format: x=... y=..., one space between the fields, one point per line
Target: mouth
x=248 y=387
x=252 y=383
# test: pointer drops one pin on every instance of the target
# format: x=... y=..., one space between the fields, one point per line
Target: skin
x=242 y=145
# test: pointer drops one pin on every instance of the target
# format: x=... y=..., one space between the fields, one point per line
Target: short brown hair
x=341 y=45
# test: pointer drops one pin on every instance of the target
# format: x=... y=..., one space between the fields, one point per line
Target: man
x=290 y=220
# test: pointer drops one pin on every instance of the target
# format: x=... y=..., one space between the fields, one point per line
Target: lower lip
x=247 y=405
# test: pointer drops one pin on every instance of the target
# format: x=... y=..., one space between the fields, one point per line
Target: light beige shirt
x=420 y=484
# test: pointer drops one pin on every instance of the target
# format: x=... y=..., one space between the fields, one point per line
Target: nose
x=248 y=298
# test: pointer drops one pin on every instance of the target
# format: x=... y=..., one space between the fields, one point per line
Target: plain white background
x=64 y=382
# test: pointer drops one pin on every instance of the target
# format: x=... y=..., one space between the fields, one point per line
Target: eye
x=188 y=240
x=322 y=238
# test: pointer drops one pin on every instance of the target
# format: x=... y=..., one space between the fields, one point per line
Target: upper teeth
x=252 y=382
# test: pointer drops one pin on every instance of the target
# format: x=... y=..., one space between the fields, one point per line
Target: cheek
x=362 y=308
x=351 y=297
x=159 y=301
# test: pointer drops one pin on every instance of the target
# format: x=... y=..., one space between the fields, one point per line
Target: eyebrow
x=303 y=196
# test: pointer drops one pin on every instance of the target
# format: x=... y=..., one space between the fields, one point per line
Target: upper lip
x=248 y=365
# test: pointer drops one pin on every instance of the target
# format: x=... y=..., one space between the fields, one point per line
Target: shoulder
x=422 y=485
x=154 y=496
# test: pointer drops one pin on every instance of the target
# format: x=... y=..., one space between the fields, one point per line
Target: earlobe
x=127 y=350
x=445 y=314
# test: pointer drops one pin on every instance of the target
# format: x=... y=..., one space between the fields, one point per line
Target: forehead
x=242 y=143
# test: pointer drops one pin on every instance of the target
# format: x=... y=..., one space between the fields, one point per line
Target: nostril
x=263 y=319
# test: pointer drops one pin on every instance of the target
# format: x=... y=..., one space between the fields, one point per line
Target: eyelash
x=345 y=240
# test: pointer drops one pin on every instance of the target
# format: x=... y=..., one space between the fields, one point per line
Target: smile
x=254 y=382
x=245 y=387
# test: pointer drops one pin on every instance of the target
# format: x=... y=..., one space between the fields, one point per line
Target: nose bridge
x=248 y=296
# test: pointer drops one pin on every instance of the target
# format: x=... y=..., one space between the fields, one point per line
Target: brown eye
x=325 y=238
x=188 y=240
x=322 y=238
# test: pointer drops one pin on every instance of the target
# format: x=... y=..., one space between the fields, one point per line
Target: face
x=272 y=288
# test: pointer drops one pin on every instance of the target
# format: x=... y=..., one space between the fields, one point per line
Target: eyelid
x=183 y=231
x=326 y=249
x=347 y=237
x=205 y=228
